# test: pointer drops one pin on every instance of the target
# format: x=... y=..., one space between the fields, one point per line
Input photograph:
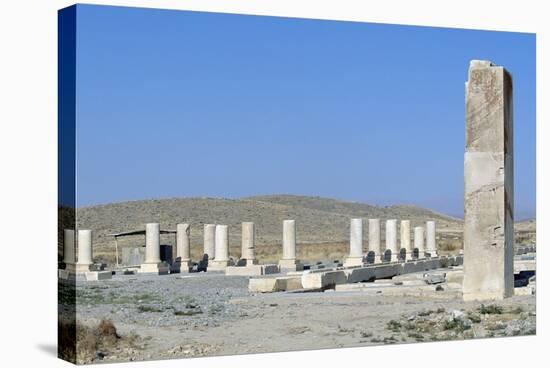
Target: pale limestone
x=431 y=245
x=183 y=242
x=374 y=239
x=252 y=270
x=405 y=238
x=248 y=244
x=152 y=262
x=391 y=240
x=98 y=275
x=210 y=240
x=289 y=239
x=85 y=256
x=323 y=280
x=289 y=261
x=182 y=263
x=274 y=284
x=419 y=241
x=152 y=243
x=221 y=261
x=355 y=257
x=488 y=184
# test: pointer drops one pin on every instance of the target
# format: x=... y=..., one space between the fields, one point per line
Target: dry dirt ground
x=178 y=316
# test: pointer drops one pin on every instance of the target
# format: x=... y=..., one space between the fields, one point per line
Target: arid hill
x=318 y=220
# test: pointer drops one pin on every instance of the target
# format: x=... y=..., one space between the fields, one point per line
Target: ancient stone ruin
x=488 y=184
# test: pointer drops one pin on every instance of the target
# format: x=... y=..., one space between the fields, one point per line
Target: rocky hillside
x=318 y=220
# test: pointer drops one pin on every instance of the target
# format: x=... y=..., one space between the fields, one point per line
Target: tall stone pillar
x=221 y=260
x=152 y=250
x=431 y=245
x=405 y=238
x=419 y=241
x=289 y=262
x=84 y=251
x=355 y=244
x=210 y=240
x=391 y=240
x=248 y=255
x=183 y=248
x=374 y=240
x=488 y=184
x=152 y=243
x=69 y=247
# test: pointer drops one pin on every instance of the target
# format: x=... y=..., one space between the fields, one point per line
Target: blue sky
x=181 y=104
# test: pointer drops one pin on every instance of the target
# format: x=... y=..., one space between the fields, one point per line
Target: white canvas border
x=28 y=189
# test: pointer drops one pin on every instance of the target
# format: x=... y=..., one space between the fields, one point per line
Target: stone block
x=286 y=265
x=262 y=285
x=219 y=265
x=323 y=280
x=98 y=275
x=252 y=270
x=154 y=268
x=353 y=262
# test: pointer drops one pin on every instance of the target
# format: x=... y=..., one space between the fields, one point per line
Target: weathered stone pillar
x=210 y=240
x=221 y=260
x=289 y=262
x=84 y=251
x=69 y=247
x=405 y=238
x=419 y=241
x=152 y=250
x=355 y=244
x=431 y=245
x=222 y=243
x=391 y=240
x=183 y=242
x=488 y=184
x=183 y=248
x=152 y=243
x=248 y=256
x=289 y=239
x=374 y=240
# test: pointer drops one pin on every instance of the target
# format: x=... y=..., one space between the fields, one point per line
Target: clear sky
x=181 y=104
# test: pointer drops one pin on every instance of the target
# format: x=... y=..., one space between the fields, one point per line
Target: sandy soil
x=177 y=316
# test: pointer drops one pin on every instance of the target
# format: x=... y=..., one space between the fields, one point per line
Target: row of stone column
x=419 y=249
x=84 y=260
x=216 y=243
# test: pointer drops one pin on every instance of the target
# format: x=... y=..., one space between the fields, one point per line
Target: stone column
x=431 y=245
x=289 y=239
x=183 y=248
x=221 y=260
x=374 y=240
x=222 y=243
x=248 y=255
x=419 y=241
x=152 y=250
x=355 y=243
x=152 y=243
x=488 y=184
x=69 y=247
x=405 y=238
x=391 y=239
x=209 y=240
x=84 y=251
x=289 y=262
